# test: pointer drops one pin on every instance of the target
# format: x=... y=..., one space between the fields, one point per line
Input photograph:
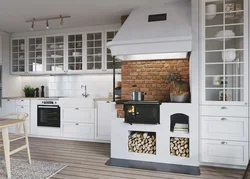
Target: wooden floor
x=86 y=160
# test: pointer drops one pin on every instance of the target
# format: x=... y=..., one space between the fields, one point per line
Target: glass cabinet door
x=35 y=55
x=18 y=55
x=75 y=52
x=109 y=59
x=94 y=50
x=55 y=53
x=225 y=54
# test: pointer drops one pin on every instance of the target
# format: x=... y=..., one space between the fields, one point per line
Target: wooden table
x=4 y=124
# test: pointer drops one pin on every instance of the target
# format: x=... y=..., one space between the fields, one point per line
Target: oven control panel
x=49 y=102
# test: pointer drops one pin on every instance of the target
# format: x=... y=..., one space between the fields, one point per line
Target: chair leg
x=27 y=141
x=6 y=145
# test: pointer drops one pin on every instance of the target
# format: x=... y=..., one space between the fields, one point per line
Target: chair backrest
x=16 y=115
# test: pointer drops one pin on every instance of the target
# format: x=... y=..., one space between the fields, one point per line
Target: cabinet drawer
x=78 y=130
x=225 y=128
x=78 y=115
x=22 y=102
x=224 y=152
x=237 y=111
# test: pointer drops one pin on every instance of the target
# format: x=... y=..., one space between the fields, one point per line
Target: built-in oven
x=48 y=114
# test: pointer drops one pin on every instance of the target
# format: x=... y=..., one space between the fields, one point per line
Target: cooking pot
x=137 y=96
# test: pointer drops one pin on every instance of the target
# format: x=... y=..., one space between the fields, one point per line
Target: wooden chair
x=245 y=176
x=14 y=137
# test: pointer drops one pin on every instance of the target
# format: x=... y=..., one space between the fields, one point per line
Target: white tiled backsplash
x=70 y=86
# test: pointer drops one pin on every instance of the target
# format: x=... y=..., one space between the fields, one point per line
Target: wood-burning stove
x=142 y=112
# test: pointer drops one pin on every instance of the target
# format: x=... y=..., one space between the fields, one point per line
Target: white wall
x=98 y=85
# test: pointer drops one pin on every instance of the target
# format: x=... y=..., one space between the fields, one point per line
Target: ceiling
x=13 y=13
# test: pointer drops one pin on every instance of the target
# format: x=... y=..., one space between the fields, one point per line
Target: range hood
x=155 y=33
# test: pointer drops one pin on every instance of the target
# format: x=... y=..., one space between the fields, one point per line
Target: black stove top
x=143 y=102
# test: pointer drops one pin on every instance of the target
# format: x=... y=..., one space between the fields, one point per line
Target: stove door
x=147 y=114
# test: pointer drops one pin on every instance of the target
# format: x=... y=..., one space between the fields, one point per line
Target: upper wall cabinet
x=55 y=54
x=35 y=55
x=94 y=51
x=110 y=34
x=225 y=51
x=18 y=55
x=71 y=53
x=75 y=53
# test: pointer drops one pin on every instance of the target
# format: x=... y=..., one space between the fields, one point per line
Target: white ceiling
x=13 y=13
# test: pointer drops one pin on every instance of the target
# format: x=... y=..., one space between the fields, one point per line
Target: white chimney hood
x=167 y=35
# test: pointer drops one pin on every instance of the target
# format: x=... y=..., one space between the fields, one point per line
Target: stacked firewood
x=179 y=146
x=142 y=142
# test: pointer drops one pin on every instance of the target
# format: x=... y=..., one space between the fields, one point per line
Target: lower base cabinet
x=78 y=130
x=224 y=152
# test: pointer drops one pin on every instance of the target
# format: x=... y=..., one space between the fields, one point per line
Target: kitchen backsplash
x=70 y=86
x=150 y=77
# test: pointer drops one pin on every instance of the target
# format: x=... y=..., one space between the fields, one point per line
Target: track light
x=47 y=24
x=47 y=21
x=61 y=23
x=32 y=25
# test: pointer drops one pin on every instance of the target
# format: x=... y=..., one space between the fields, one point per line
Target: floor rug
x=21 y=169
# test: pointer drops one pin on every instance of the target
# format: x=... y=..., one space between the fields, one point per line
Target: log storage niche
x=142 y=142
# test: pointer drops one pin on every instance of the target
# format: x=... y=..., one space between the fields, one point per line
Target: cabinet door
x=78 y=115
x=24 y=109
x=109 y=59
x=35 y=55
x=105 y=112
x=225 y=52
x=18 y=56
x=75 y=53
x=94 y=51
x=55 y=54
x=9 y=106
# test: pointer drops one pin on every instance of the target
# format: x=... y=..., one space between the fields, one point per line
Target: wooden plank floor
x=86 y=160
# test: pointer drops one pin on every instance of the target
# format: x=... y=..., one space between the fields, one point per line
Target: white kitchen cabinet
x=77 y=114
x=24 y=109
x=18 y=56
x=224 y=49
x=224 y=128
x=236 y=111
x=78 y=130
x=105 y=112
x=225 y=152
x=9 y=106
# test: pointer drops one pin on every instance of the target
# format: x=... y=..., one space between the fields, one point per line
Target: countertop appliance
x=142 y=112
x=137 y=96
x=48 y=114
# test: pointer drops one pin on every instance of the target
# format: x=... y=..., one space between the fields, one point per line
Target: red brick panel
x=150 y=77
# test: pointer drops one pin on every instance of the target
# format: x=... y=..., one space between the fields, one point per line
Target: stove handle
x=50 y=107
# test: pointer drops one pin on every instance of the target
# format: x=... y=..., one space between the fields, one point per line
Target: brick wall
x=150 y=77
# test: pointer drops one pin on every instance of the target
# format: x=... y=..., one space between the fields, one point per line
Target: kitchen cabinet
x=35 y=55
x=224 y=52
x=104 y=113
x=78 y=114
x=109 y=35
x=55 y=54
x=9 y=106
x=23 y=105
x=94 y=51
x=75 y=49
x=18 y=56
x=224 y=82
x=78 y=130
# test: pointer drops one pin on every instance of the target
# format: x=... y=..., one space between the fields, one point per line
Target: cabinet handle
x=108 y=102
x=77 y=124
x=8 y=100
x=223 y=107
x=22 y=107
x=223 y=143
x=77 y=108
x=22 y=100
x=223 y=119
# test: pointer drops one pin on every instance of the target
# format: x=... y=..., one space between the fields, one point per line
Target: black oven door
x=48 y=115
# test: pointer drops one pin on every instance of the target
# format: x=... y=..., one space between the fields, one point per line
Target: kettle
x=137 y=96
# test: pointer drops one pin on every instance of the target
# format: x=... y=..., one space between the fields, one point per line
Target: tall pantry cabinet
x=224 y=116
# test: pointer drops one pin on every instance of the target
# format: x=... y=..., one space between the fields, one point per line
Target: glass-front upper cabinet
x=109 y=59
x=94 y=51
x=35 y=54
x=18 y=55
x=75 y=52
x=225 y=51
x=55 y=53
